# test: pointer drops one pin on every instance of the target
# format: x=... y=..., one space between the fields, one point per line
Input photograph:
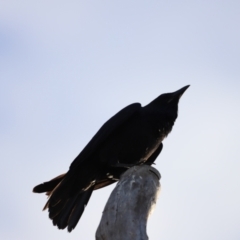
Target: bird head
x=167 y=103
x=171 y=98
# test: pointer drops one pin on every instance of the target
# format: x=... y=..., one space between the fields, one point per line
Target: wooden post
x=129 y=205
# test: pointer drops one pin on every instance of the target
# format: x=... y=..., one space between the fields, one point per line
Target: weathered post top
x=129 y=205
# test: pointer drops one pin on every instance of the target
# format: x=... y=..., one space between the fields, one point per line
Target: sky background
x=67 y=66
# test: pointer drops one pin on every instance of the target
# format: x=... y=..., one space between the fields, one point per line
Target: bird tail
x=65 y=207
x=67 y=199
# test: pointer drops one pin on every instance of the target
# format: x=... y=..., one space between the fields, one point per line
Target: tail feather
x=62 y=219
x=78 y=209
x=48 y=186
x=55 y=210
x=103 y=183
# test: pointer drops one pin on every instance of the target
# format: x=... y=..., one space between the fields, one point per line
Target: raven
x=131 y=137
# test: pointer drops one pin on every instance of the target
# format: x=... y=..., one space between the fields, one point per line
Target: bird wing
x=103 y=133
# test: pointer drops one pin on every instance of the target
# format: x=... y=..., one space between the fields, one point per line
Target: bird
x=132 y=137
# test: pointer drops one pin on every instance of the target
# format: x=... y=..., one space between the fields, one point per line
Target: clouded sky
x=67 y=66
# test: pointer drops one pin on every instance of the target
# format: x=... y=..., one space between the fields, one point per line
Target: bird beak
x=177 y=95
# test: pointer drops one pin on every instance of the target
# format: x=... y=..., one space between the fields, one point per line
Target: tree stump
x=129 y=205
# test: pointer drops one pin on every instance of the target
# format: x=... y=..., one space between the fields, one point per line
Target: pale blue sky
x=68 y=66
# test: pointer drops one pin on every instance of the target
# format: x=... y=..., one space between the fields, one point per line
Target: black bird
x=131 y=137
